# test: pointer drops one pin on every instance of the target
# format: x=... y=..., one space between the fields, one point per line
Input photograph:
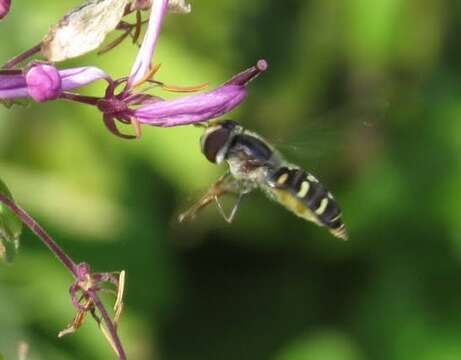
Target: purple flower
x=4 y=8
x=192 y=109
x=200 y=107
x=130 y=107
x=143 y=60
x=122 y=101
x=43 y=82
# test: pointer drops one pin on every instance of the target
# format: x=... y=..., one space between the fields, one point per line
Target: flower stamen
x=183 y=89
x=137 y=127
x=149 y=76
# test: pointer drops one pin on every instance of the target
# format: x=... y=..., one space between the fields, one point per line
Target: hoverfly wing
x=322 y=133
x=301 y=193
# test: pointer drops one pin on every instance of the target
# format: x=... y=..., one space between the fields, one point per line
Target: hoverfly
x=254 y=163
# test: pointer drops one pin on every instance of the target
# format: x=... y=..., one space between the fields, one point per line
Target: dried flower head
x=83 y=29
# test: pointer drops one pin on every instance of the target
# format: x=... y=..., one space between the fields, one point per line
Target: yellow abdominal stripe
x=312 y=178
x=304 y=189
x=282 y=179
x=293 y=204
x=322 y=207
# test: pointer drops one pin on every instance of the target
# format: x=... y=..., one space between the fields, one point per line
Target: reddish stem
x=21 y=57
x=42 y=234
x=89 y=100
x=110 y=325
x=68 y=263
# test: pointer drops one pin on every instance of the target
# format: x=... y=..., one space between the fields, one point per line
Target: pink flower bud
x=4 y=8
x=43 y=82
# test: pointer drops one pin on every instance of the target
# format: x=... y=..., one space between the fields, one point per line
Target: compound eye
x=215 y=142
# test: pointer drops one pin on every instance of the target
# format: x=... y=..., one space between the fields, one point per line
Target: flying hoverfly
x=254 y=163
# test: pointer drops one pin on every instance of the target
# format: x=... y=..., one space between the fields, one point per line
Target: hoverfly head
x=217 y=138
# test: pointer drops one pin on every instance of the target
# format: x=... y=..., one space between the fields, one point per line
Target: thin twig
x=110 y=325
x=21 y=57
x=42 y=234
x=69 y=264
x=89 y=100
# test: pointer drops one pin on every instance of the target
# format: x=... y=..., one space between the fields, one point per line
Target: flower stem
x=42 y=235
x=21 y=57
x=89 y=100
x=69 y=264
x=110 y=325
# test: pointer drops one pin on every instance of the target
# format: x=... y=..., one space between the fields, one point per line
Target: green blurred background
x=364 y=94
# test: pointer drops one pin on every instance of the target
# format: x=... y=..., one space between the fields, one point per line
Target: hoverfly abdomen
x=314 y=201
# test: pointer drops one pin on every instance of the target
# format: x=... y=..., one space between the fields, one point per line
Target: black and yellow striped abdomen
x=304 y=195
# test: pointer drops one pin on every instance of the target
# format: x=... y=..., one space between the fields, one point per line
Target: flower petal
x=192 y=109
x=43 y=82
x=81 y=76
x=4 y=8
x=13 y=86
x=144 y=58
x=200 y=107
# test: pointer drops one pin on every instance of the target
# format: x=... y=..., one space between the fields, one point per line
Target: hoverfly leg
x=224 y=185
x=229 y=218
x=192 y=212
x=212 y=193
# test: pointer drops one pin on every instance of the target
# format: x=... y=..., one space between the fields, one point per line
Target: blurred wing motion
x=254 y=163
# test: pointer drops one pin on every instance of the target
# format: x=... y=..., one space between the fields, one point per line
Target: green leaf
x=10 y=228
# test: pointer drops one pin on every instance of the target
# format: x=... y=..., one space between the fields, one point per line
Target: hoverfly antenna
x=229 y=124
x=200 y=125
